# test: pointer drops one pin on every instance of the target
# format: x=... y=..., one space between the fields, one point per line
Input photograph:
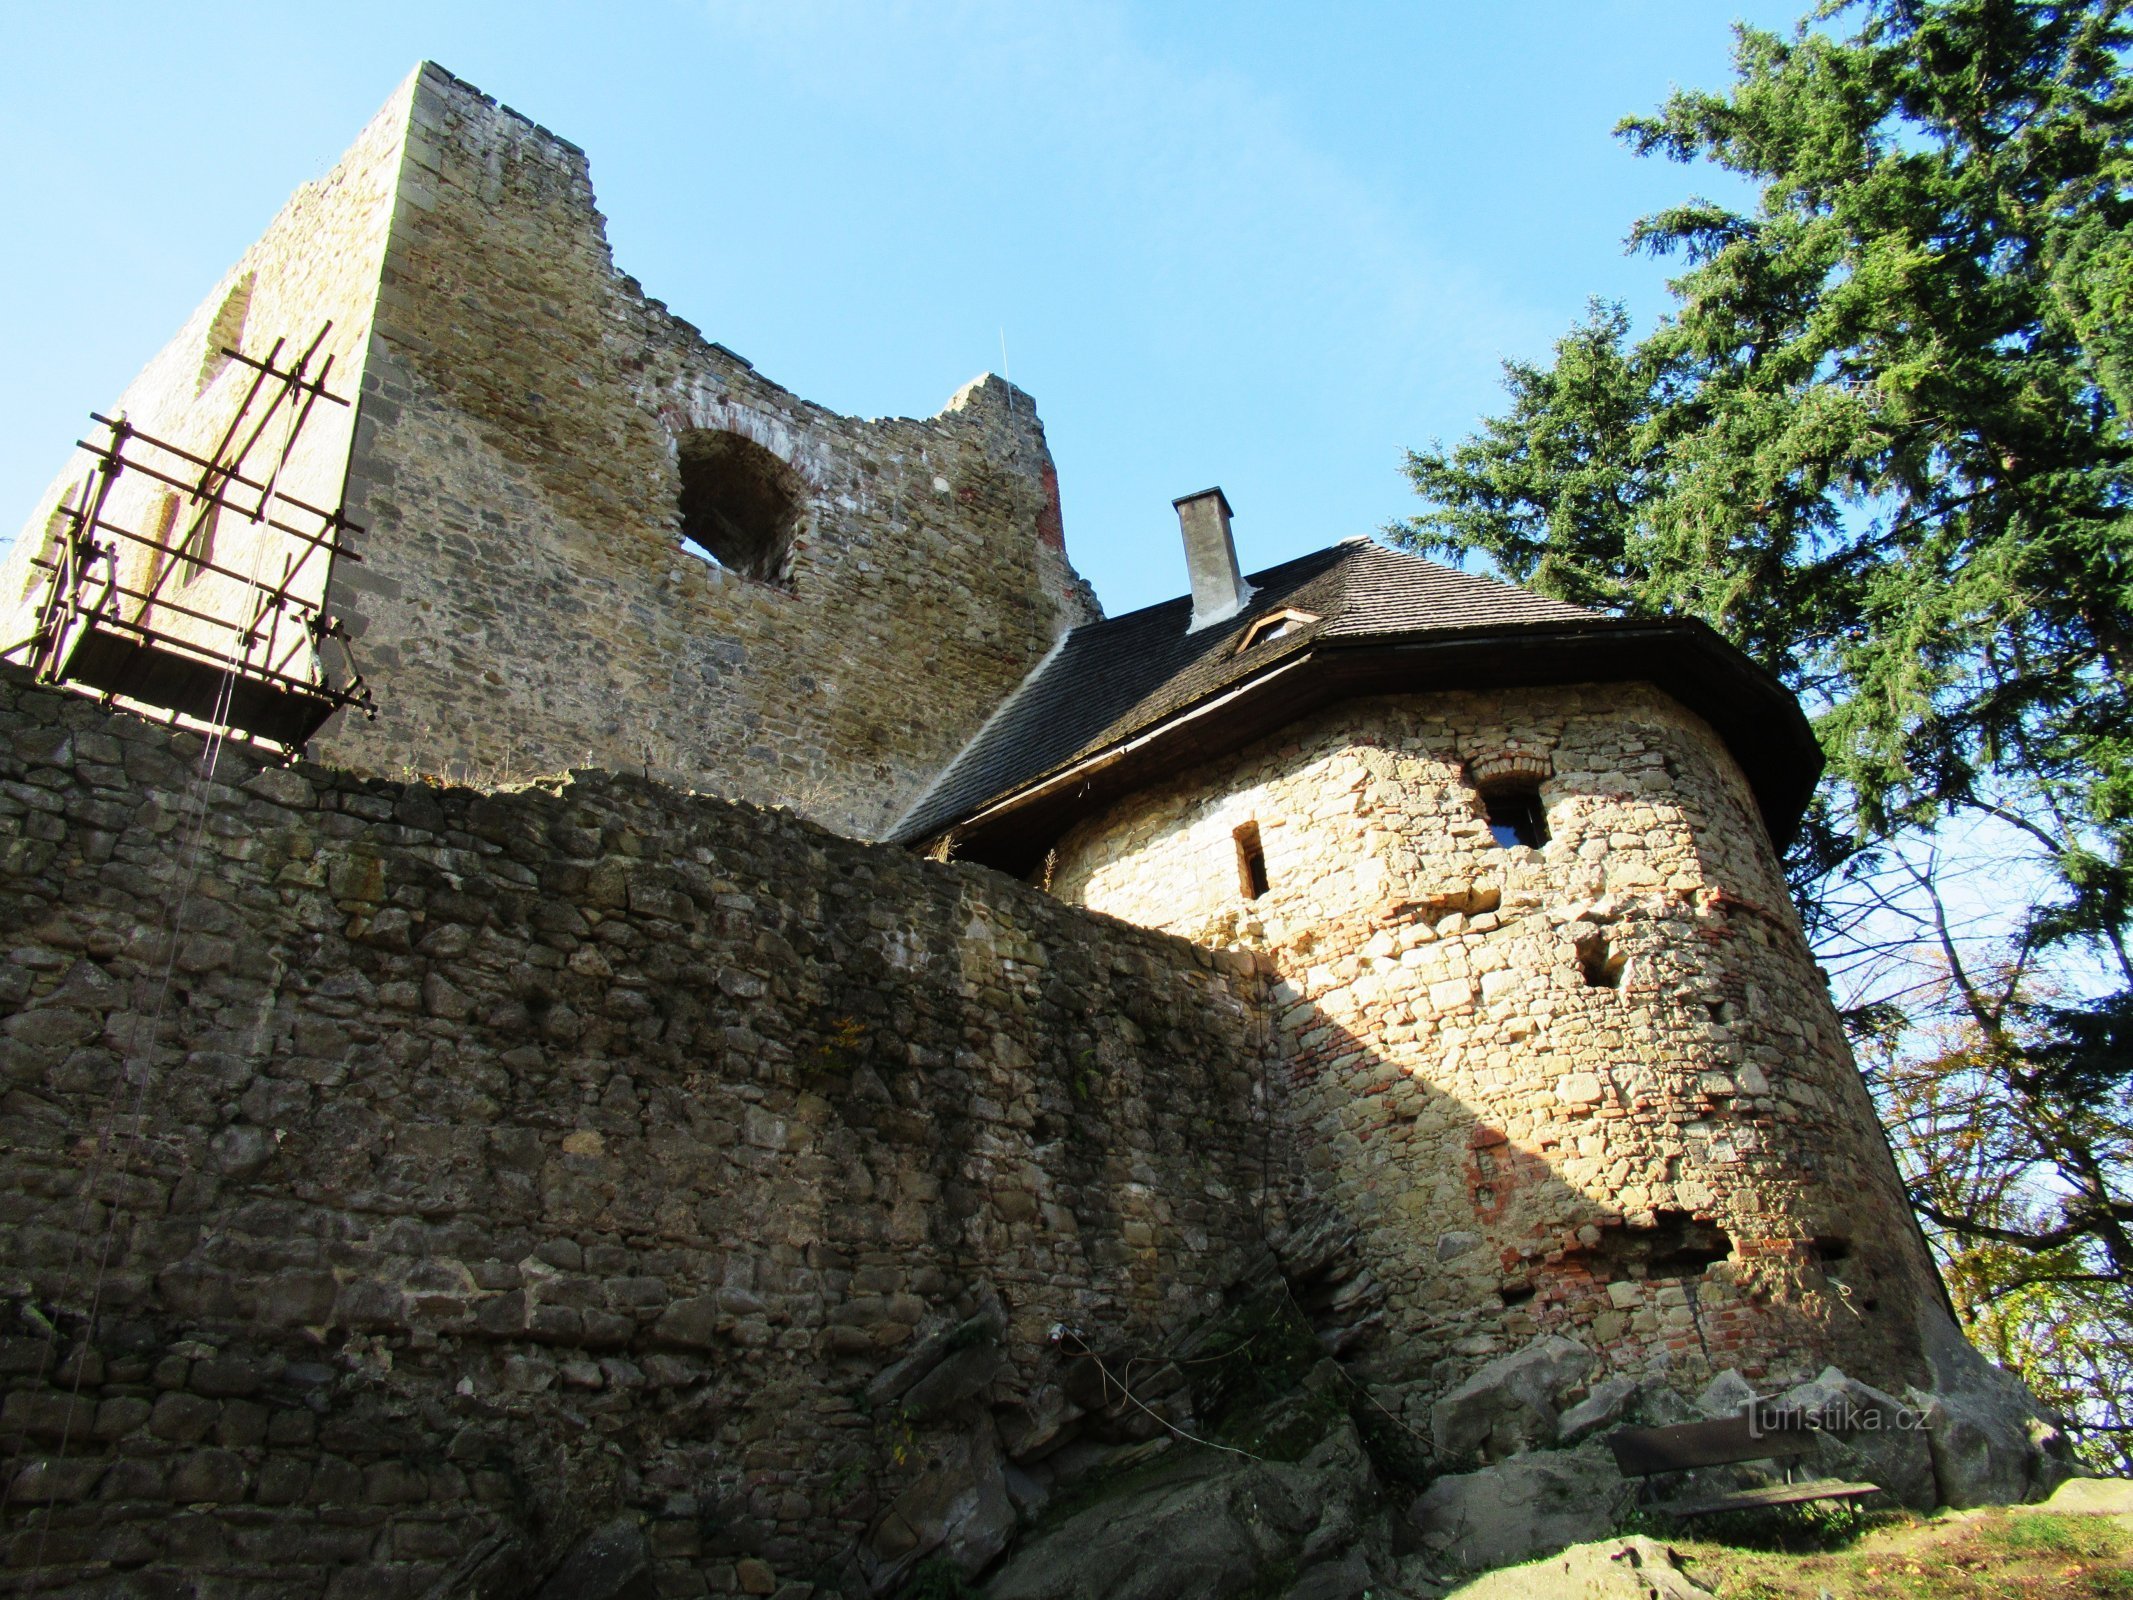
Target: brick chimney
x=1218 y=589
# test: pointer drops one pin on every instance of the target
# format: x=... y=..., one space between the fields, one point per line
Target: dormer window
x=1273 y=626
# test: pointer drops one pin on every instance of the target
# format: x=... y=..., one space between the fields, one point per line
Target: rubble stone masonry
x=525 y=603
x=397 y=1179
x=315 y=269
x=480 y=1166
x=1596 y=1087
x=521 y=599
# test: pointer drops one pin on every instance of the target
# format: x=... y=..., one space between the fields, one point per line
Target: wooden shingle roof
x=1383 y=621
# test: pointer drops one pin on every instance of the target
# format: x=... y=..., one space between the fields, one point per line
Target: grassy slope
x=1988 y=1555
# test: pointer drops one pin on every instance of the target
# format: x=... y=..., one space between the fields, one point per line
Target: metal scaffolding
x=253 y=664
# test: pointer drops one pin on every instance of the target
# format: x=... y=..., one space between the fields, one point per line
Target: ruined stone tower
x=585 y=536
x=1552 y=1042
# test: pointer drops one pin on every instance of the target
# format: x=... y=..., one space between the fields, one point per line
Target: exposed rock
x=613 y=1562
x=1039 y=1424
x=959 y=1510
x=1349 y=1578
x=1979 y=1458
x=1206 y=1524
x=1521 y=1508
x=1861 y=1433
x=1727 y=1395
x=1990 y=1443
x=498 y=1567
x=958 y=1378
x=1657 y=1405
x=1207 y=1527
x=985 y=1327
x=1030 y=1491
x=2089 y=1497
x=1600 y=1409
x=1614 y=1569
x=1510 y=1404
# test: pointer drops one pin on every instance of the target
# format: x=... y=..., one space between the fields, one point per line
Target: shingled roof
x=1383 y=621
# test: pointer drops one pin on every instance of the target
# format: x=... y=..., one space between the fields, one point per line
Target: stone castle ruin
x=767 y=1040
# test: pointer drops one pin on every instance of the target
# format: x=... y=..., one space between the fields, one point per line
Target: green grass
x=1992 y=1555
x=2044 y=1533
x=1815 y=1525
x=937 y=1579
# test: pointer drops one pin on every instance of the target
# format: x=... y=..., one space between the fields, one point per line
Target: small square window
x=1516 y=816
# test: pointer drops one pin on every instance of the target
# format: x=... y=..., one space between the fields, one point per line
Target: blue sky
x=1266 y=246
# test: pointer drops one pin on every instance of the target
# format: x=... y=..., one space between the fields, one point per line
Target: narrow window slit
x=225 y=333
x=1251 y=862
x=1600 y=963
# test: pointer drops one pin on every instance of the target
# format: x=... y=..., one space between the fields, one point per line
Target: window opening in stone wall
x=162 y=522
x=1677 y=1244
x=1600 y=962
x=1251 y=862
x=1516 y=816
x=196 y=551
x=55 y=529
x=740 y=505
x=226 y=332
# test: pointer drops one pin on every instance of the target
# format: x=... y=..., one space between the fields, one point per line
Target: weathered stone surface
x=958 y=1508
x=960 y=1377
x=1520 y=1508
x=1615 y=1569
x=1602 y=1408
x=1543 y=1085
x=613 y=1562
x=1349 y=1578
x=1727 y=1395
x=1990 y=1443
x=513 y=1158
x=1864 y=1435
x=1510 y=1404
x=1204 y=1526
x=516 y=476
x=694 y=1175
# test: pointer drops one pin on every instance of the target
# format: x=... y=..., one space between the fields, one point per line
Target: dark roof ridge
x=1120 y=682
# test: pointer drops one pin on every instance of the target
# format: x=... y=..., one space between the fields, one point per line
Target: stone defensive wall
x=467 y=1170
x=1596 y=1087
x=590 y=536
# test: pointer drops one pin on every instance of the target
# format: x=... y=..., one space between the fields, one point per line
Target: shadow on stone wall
x=593 y=1167
x=508 y=1162
x=1423 y=1239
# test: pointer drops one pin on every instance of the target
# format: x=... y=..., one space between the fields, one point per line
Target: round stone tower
x=1554 y=1044
x=1554 y=1052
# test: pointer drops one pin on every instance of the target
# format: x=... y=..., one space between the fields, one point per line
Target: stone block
x=183 y=1418
x=208 y=1475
